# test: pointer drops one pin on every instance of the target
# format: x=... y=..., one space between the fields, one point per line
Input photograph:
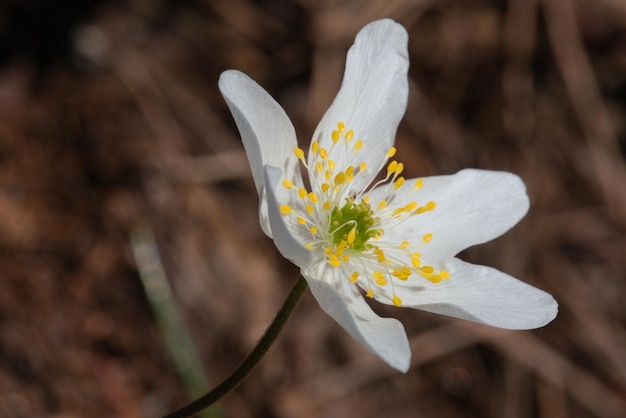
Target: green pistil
x=353 y=216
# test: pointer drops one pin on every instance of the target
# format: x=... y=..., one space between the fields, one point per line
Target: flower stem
x=251 y=361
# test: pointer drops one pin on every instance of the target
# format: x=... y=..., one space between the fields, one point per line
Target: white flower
x=393 y=239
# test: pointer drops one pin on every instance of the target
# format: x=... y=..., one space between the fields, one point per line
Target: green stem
x=251 y=361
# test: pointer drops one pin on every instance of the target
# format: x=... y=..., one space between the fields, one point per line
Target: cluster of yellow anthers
x=347 y=228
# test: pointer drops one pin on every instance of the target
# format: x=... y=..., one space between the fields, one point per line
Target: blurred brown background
x=111 y=123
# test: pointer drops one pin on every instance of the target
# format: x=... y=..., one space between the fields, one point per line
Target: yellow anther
x=391 y=152
x=315 y=146
x=349 y=171
x=416 y=262
x=288 y=184
x=366 y=199
x=427 y=269
x=369 y=293
x=285 y=209
x=328 y=251
x=430 y=205
x=333 y=260
x=380 y=255
x=331 y=165
x=340 y=178
x=379 y=278
x=336 y=136
x=341 y=127
x=301 y=220
x=309 y=246
x=410 y=206
x=444 y=274
x=392 y=167
x=325 y=187
x=319 y=167
x=327 y=175
x=434 y=279
x=427 y=237
x=404 y=245
x=327 y=206
x=402 y=273
x=382 y=205
x=323 y=153
x=362 y=167
x=351 y=236
x=309 y=208
x=340 y=248
x=313 y=197
x=354 y=277
x=419 y=184
x=349 y=135
x=314 y=230
x=302 y=193
x=345 y=258
x=399 y=169
x=399 y=274
x=397 y=301
x=398 y=183
x=299 y=153
x=358 y=145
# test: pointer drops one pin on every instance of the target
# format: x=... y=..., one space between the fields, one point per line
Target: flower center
x=346 y=226
x=353 y=223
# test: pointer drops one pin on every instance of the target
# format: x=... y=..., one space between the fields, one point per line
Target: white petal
x=343 y=302
x=266 y=132
x=286 y=242
x=477 y=293
x=473 y=207
x=372 y=98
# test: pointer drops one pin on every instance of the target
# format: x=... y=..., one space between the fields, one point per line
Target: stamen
x=379 y=278
x=333 y=260
x=392 y=167
x=285 y=209
x=351 y=236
